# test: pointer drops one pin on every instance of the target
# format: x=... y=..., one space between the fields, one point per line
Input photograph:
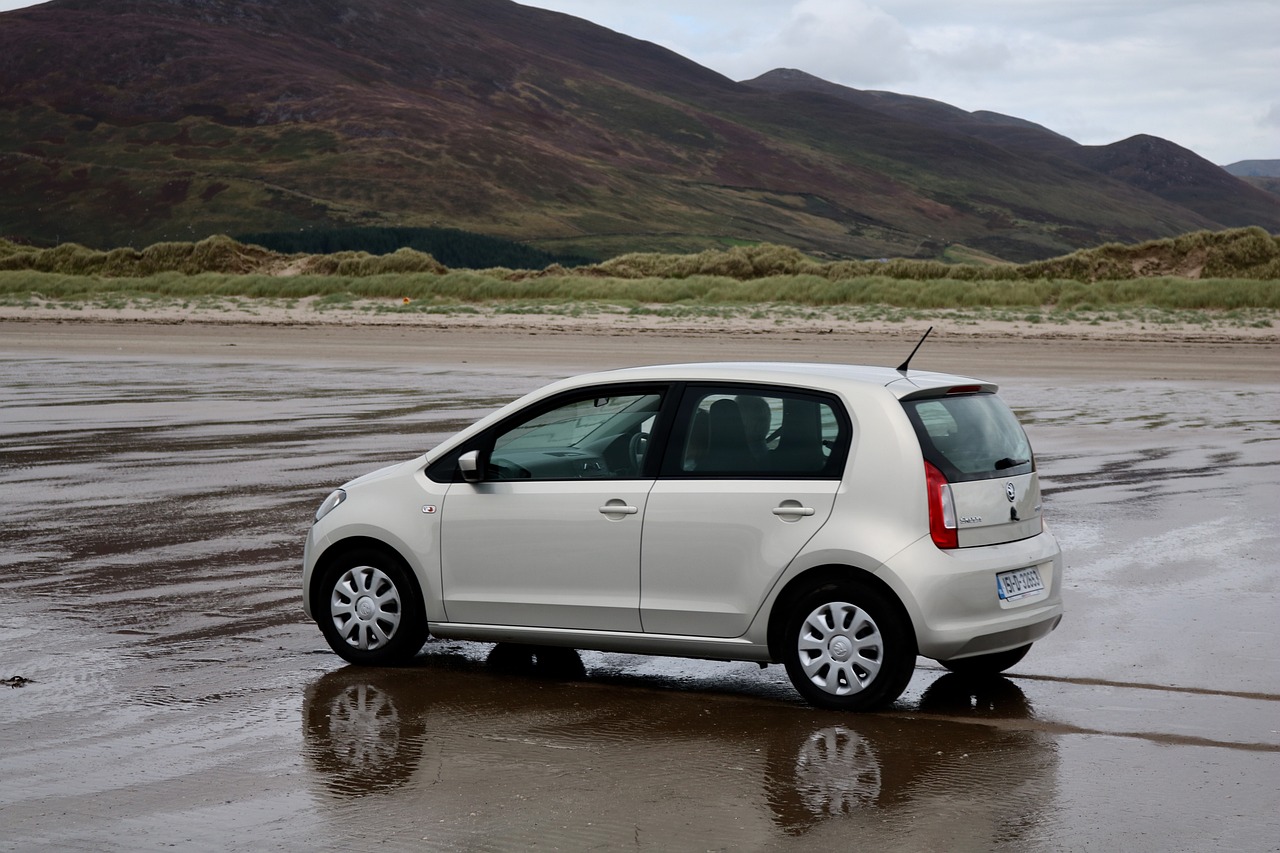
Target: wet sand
x=160 y=479
x=989 y=349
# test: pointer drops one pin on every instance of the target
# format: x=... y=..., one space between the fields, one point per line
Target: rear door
x=749 y=475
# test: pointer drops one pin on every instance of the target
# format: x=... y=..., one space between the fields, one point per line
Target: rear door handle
x=793 y=510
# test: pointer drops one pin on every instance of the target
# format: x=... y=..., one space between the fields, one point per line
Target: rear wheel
x=992 y=664
x=369 y=609
x=848 y=648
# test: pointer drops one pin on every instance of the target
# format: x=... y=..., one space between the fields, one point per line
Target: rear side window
x=758 y=432
x=970 y=436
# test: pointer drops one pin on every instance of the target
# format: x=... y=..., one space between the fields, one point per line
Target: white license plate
x=1020 y=583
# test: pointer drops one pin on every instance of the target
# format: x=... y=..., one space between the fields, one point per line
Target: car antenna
x=902 y=368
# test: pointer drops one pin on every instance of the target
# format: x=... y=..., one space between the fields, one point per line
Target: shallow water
x=155 y=512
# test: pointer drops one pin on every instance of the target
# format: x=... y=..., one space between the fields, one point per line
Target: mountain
x=132 y=121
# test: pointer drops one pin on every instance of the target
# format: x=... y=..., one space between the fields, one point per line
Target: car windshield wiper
x=1007 y=462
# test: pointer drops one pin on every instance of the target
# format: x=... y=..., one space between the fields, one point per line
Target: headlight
x=336 y=497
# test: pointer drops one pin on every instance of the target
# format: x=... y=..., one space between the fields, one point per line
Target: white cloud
x=965 y=51
x=848 y=40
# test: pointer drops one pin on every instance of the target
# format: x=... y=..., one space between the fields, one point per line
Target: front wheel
x=848 y=648
x=369 y=610
x=991 y=664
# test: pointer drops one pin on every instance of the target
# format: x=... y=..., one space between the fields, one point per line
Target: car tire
x=848 y=647
x=992 y=664
x=369 y=609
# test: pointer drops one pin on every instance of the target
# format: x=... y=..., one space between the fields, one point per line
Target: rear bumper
x=1009 y=638
x=952 y=600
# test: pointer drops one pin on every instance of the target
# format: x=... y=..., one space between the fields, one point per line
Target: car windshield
x=970 y=436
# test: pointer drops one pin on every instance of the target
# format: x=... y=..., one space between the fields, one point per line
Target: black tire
x=369 y=609
x=848 y=647
x=992 y=664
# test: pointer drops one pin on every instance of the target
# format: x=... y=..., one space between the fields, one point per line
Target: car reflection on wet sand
x=519 y=722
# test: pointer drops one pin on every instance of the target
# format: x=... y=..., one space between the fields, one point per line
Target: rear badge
x=1010 y=492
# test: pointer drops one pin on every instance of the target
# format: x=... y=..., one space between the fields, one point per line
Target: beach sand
x=603 y=339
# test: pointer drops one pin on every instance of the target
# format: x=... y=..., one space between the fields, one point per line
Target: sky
x=1204 y=74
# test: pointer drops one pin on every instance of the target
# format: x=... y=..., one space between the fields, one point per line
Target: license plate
x=1020 y=583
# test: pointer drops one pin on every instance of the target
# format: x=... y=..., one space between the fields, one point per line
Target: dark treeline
x=450 y=246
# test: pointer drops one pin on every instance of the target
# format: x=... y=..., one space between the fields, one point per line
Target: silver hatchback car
x=840 y=520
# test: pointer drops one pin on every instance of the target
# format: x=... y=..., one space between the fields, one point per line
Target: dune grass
x=1236 y=270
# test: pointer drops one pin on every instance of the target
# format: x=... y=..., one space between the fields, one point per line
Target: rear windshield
x=970 y=436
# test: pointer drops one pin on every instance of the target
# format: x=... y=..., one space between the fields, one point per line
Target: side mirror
x=469 y=466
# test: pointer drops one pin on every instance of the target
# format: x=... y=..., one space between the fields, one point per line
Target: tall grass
x=1239 y=253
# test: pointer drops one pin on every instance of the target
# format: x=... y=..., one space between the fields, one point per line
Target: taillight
x=942 y=509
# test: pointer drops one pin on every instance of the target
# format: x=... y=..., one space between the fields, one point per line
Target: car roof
x=834 y=377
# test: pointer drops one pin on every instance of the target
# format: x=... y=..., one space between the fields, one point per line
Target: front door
x=550 y=536
x=544 y=554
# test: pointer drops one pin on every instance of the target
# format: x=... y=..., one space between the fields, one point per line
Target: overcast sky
x=1205 y=75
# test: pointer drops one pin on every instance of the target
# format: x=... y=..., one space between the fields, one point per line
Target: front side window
x=589 y=437
x=760 y=433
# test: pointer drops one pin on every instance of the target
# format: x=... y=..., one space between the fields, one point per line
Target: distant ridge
x=990 y=126
x=1255 y=169
x=1154 y=165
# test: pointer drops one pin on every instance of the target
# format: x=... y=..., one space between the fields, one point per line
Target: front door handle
x=794 y=509
x=617 y=507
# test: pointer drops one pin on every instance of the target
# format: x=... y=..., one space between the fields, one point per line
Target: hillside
x=145 y=120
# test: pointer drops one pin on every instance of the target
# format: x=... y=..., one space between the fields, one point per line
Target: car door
x=749 y=475
x=550 y=534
